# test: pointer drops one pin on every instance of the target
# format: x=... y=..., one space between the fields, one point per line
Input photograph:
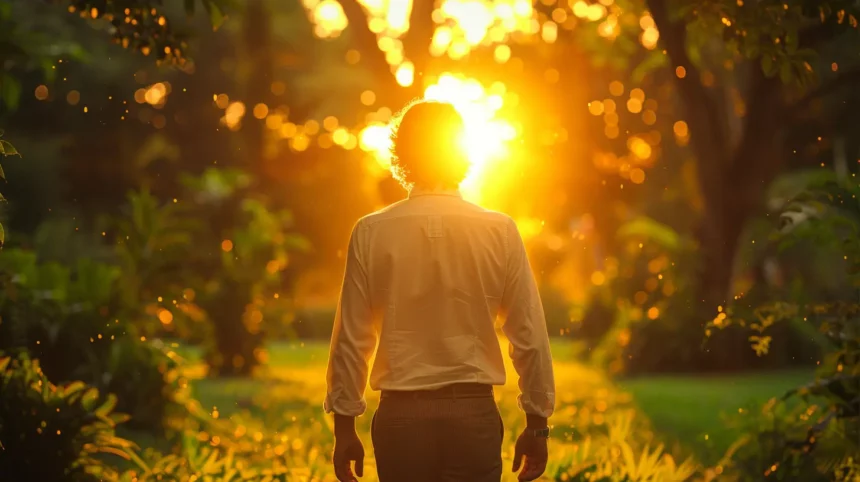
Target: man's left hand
x=534 y=450
x=348 y=448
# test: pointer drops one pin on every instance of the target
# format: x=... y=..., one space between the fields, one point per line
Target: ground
x=598 y=425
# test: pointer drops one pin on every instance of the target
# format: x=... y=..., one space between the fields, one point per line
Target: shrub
x=239 y=265
x=63 y=318
x=50 y=432
x=659 y=328
x=812 y=432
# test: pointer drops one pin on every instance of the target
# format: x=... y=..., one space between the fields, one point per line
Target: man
x=427 y=277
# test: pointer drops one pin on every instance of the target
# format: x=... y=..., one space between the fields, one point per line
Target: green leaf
x=767 y=65
x=7 y=149
x=88 y=401
x=2 y=174
x=791 y=41
x=10 y=91
x=216 y=16
x=785 y=73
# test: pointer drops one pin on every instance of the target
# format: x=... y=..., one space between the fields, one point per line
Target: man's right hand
x=534 y=449
x=347 y=449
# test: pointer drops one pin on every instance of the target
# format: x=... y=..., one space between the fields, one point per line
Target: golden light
x=261 y=111
x=165 y=317
x=156 y=94
x=484 y=141
x=42 y=92
x=405 y=74
x=233 y=115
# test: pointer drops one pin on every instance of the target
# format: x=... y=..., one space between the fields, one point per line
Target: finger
x=341 y=473
x=532 y=470
x=359 y=466
x=518 y=459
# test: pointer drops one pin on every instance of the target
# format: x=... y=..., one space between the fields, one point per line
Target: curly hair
x=427 y=147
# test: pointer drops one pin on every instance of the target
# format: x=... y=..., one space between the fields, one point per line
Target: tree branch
x=416 y=41
x=366 y=42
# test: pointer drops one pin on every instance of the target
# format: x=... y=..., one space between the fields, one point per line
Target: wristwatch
x=540 y=432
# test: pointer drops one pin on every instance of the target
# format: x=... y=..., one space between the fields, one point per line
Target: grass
x=277 y=416
x=694 y=410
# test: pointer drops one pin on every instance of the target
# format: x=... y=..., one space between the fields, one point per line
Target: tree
x=771 y=54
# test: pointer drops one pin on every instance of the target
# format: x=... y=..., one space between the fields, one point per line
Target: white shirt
x=426 y=277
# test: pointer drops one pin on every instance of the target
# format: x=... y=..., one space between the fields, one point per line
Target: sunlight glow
x=486 y=138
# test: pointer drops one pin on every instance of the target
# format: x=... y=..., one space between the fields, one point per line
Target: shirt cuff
x=537 y=403
x=340 y=406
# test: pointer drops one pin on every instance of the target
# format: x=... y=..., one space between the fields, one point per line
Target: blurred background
x=182 y=179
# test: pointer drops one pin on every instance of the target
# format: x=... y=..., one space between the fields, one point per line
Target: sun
x=486 y=137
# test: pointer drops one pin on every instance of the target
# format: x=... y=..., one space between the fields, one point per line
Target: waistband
x=455 y=390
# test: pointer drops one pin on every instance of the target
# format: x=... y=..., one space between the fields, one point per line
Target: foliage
x=612 y=458
x=153 y=242
x=140 y=25
x=6 y=149
x=823 y=431
x=648 y=285
x=67 y=319
x=50 y=432
x=199 y=461
x=241 y=267
x=273 y=425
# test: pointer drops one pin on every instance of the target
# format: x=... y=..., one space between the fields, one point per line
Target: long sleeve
x=353 y=338
x=525 y=328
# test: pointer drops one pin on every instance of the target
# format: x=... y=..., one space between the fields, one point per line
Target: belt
x=456 y=390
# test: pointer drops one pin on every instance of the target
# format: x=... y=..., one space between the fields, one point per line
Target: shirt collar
x=418 y=191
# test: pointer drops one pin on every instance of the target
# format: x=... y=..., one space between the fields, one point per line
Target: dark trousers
x=451 y=435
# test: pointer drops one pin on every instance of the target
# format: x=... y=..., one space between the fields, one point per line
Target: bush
x=792 y=441
x=63 y=318
x=50 y=432
x=238 y=265
x=659 y=328
x=812 y=432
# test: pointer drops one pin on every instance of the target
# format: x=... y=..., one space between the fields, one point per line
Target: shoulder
x=392 y=210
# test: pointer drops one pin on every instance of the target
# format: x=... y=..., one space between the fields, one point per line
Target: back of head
x=428 y=146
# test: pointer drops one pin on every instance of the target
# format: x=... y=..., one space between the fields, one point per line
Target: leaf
x=651 y=230
x=767 y=65
x=7 y=149
x=791 y=41
x=2 y=236
x=216 y=16
x=785 y=73
x=88 y=401
x=2 y=174
x=10 y=92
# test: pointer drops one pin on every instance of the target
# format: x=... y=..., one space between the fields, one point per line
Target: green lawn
x=280 y=411
x=692 y=410
x=685 y=411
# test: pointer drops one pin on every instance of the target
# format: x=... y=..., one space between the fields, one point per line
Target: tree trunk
x=234 y=346
x=258 y=68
